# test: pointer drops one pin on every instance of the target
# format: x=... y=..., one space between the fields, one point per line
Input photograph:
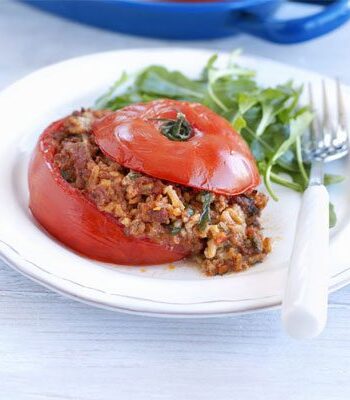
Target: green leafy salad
x=270 y=119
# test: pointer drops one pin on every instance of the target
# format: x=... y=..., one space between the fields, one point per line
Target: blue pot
x=185 y=21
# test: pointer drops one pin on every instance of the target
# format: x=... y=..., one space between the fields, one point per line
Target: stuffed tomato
x=148 y=184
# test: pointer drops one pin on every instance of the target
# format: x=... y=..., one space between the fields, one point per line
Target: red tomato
x=214 y=158
x=74 y=220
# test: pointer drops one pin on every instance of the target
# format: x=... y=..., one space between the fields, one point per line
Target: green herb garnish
x=190 y=211
x=207 y=198
x=67 y=176
x=134 y=175
x=177 y=129
x=174 y=230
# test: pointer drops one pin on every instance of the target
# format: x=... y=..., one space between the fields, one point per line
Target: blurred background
x=31 y=38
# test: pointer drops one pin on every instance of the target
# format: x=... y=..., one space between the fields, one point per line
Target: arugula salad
x=270 y=119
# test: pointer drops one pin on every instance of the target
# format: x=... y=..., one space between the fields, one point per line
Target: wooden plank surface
x=55 y=348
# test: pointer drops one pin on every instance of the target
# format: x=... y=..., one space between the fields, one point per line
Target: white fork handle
x=304 y=308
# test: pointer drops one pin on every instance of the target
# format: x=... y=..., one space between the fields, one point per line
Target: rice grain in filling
x=222 y=233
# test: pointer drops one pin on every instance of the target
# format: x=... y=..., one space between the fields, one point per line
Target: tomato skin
x=75 y=221
x=215 y=158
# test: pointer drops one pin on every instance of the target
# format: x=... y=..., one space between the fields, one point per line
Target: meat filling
x=222 y=233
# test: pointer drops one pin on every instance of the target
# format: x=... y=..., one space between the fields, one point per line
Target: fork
x=304 y=307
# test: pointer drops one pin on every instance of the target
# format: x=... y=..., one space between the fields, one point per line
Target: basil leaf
x=207 y=199
x=174 y=230
x=134 y=175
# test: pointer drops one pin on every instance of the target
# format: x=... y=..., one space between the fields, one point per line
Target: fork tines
x=329 y=139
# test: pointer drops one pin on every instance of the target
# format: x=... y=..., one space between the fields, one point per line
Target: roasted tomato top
x=180 y=142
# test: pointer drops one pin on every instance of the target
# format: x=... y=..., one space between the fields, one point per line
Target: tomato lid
x=181 y=142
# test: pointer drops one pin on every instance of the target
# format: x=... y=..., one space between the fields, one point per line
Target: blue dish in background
x=185 y=21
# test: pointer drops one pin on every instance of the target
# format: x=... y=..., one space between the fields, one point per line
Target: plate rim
x=275 y=300
x=274 y=305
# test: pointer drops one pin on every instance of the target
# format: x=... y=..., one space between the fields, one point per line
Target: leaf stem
x=267 y=181
x=258 y=138
x=284 y=182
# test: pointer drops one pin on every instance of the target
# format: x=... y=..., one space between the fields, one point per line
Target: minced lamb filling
x=223 y=233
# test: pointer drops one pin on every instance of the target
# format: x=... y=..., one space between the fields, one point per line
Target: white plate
x=29 y=105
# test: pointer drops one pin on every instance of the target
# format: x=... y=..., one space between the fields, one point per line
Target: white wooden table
x=55 y=348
